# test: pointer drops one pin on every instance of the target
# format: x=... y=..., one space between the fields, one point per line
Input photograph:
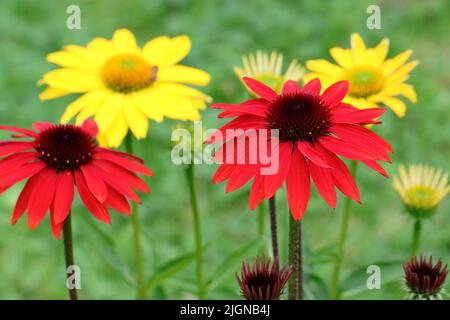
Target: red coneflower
x=423 y=279
x=60 y=157
x=260 y=281
x=313 y=130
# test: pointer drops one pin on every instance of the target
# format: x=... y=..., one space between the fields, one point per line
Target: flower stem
x=68 y=253
x=273 y=226
x=139 y=261
x=335 y=290
x=197 y=231
x=416 y=237
x=262 y=226
x=295 y=291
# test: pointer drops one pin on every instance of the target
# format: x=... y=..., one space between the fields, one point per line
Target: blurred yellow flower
x=373 y=80
x=267 y=69
x=124 y=85
x=421 y=188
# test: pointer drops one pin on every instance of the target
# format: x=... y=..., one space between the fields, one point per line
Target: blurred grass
x=31 y=263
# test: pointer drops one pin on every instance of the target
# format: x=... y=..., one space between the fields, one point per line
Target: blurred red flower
x=313 y=129
x=60 y=157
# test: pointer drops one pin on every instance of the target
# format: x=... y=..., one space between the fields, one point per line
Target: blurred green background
x=31 y=263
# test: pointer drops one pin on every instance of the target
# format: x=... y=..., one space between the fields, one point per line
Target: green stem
x=295 y=291
x=68 y=253
x=262 y=226
x=416 y=237
x=273 y=226
x=335 y=290
x=198 y=233
x=139 y=260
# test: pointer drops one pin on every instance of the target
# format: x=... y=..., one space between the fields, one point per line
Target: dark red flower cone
x=424 y=280
x=262 y=280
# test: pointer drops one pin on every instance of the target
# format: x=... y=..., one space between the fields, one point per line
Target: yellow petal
x=402 y=73
x=163 y=51
x=183 y=74
x=72 y=80
x=117 y=131
x=359 y=103
x=379 y=53
x=324 y=67
x=69 y=59
x=325 y=81
x=137 y=121
x=83 y=53
x=175 y=107
x=124 y=41
x=52 y=93
x=390 y=65
x=95 y=97
x=396 y=105
x=179 y=89
x=107 y=112
x=102 y=49
x=358 y=48
x=343 y=57
x=149 y=104
x=403 y=89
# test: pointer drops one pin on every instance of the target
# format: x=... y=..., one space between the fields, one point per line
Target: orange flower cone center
x=127 y=73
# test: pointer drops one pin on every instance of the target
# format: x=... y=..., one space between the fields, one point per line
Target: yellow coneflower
x=268 y=69
x=421 y=188
x=373 y=80
x=123 y=85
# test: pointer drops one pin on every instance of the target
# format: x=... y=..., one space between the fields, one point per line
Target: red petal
x=121 y=154
x=17 y=160
x=313 y=87
x=41 y=196
x=324 y=182
x=56 y=228
x=126 y=177
x=117 y=185
x=256 y=191
x=240 y=176
x=223 y=172
x=275 y=181
x=11 y=177
x=375 y=166
x=42 y=125
x=291 y=87
x=63 y=196
x=313 y=154
x=347 y=150
x=335 y=93
x=22 y=201
x=343 y=178
x=246 y=124
x=260 y=89
x=256 y=107
x=117 y=201
x=298 y=186
x=26 y=132
x=351 y=132
x=98 y=209
x=125 y=163
x=365 y=116
x=14 y=146
x=90 y=126
x=94 y=182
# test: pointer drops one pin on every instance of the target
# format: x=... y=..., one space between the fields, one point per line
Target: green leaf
x=315 y=287
x=231 y=263
x=170 y=269
x=355 y=283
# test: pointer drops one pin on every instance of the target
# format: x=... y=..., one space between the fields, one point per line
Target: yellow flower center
x=421 y=197
x=364 y=82
x=127 y=73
